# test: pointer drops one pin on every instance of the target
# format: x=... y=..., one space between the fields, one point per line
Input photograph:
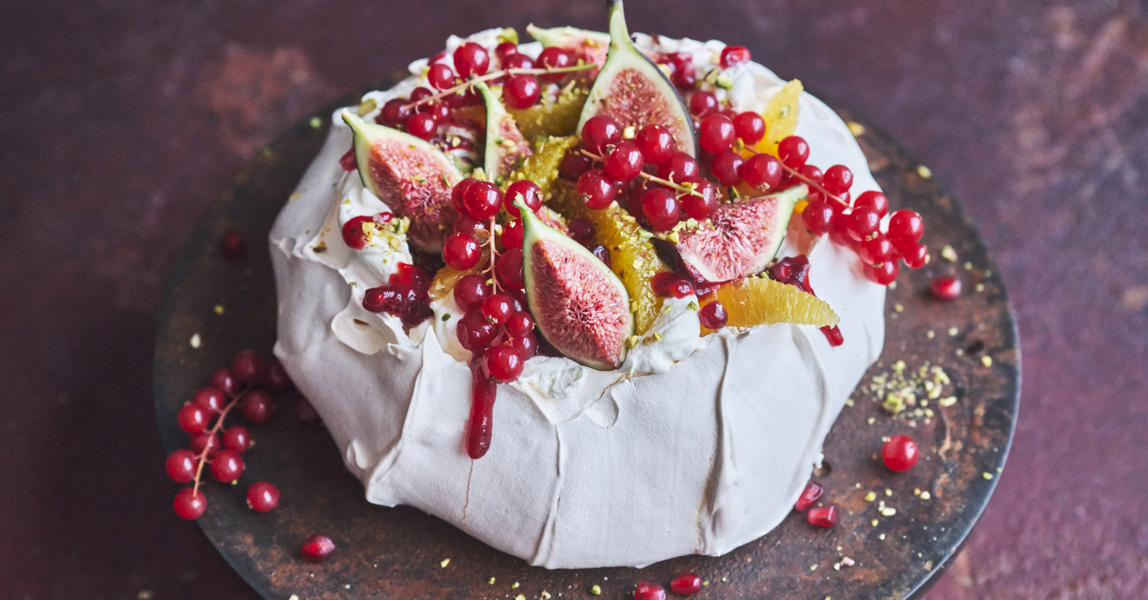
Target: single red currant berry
x=276 y=378
x=204 y=441
x=190 y=504
x=237 y=438
x=210 y=399
x=862 y=223
x=701 y=203
x=440 y=76
x=470 y=291
x=900 y=453
x=262 y=497
x=686 y=583
x=232 y=245
x=685 y=73
x=600 y=131
x=649 y=591
x=440 y=112
x=504 y=363
x=482 y=200
x=522 y=91
x=874 y=200
x=581 y=230
x=461 y=251
x=573 y=165
x=946 y=287
x=837 y=179
x=662 y=208
x=474 y=332
x=422 y=126
x=317 y=547
x=226 y=466
x=458 y=194
x=713 y=316
x=510 y=269
x=248 y=367
x=193 y=418
x=257 y=407
x=554 y=58
x=817 y=217
x=496 y=309
x=394 y=113
x=596 y=189
x=468 y=224
x=519 y=61
x=762 y=172
x=811 y=173
x=656 y=144
x=732 y=56
x=519 y=324
x=679 y=167
x=221 y=379
x=812 y=493
x=702 y=103
x=471 y=59
x=793 y=152
x=624 y=163
x=716 y=133
x=726 y=167
x=883 y=273
x=876 y=250
x=419 y=94
x=750 y=127
x=305 y=412
x=823 y=516
x=916 y=256
x=905 y=228
x=181 y=466
x=504 y=51
x=512 y=235
x=526 y=345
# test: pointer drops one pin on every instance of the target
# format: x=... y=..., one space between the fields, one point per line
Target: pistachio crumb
x=953 y=331
x=872 y=420
x=926 y=495
x=520 y=597
x=888 y=492
x=888 y=511
x=881 y=537
x=848 y=562
x=856 y=128
x=988 y=475
x=874 y=522
x=196 y=341
x=514 y=585
x=898 y=307
x=948 y=253
x=836 y=566
x=930 y=334
x=812 y=567
x=596 y=590
x=316 y=122
x=219 y=309
x=924 y=172
x=491 y=581
x=980 y=287
x=871 y=496
x=987 y=360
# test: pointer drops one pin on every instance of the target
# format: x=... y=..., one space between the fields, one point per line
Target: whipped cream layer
x=696 y=446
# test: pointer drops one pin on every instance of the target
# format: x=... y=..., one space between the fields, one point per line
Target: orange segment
x=552 y=117
x=541 y=167
x=754 y=301
x=780 y=117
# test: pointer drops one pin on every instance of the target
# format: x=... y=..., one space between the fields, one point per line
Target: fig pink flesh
x=513 y=147
x=734 y=243
x=413 y=184
x=583 y=314
x=634 y=100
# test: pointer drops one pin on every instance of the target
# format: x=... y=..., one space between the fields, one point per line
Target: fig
x=579 y=305
x=633 y=91
x=505 y=146
x=410 y=176
x=586 y=46
x=741 y=237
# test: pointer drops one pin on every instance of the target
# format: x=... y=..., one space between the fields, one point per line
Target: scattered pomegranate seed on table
x=946 y=287
x=686 y=583
x=823 y=516
x=812 y=493
x=900 y=453
x=317 y=548
x=649 y=591
x=232 y=245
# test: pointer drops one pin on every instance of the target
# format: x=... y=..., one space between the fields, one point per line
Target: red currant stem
x=493 y=254
x=685 y=189
x=202 y=458
x=808 y=181
x=495 y=75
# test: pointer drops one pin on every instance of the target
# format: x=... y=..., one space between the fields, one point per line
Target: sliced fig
x=741 y=237
x=505 y=146
x=579 y=305
x=634 y=92
x=590 y=47
x=410 y=176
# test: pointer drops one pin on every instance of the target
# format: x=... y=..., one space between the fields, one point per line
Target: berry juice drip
x=795 y=271
x=483 y=391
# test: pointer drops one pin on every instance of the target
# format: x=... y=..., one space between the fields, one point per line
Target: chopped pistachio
x=316 y=122
x=948 y=253
x=987 y=360
x=596 y=590
x=924 y=172
x=856 y=128
x=196 y=341
x=508 y=35
x=925 y=495
x=930 y=334
x=888 y=511
x=444 y=563
x=988 y=475
x=953 y=331
x=871 y=496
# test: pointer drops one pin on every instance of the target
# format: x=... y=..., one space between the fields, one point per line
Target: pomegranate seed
x=793 y=152
x=732 y=56
x=222 y=379
x=671 y=284
x=874 y=200
x=554 y=58
x=440 y=76
x=193 y=418
x=716 y=133
x=525 y=191
x=596 y=189
x=656 y=144
x=248 y=367
x=750 y=127
x=257 y=407
x=237 y=438
x=190 y=504
x=946 y=287
x=262 y=497
x=624 y=163
x=482 y=200
x=916 y=256
x=713 y=316
x=461 y=251
x=305 y=412
x=702 y=103
x=522 y=91
x=686 y=583
x=812 y=493
x=679 y=167
x=226 y=466
x=823 y=516
x=600 y=131
x=317 y=547
x=181 y=466
x=470 y=291
x=581 y=230
x=232 y=245
x=510 y=269
x=206 y=441
x=762 y=172
x=900 y=453
x=471 y=59
x=649 y=591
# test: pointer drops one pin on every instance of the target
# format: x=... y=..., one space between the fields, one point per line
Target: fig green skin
x=629 y=68
x=414 y=180
x=505 y=145
x=534 y=231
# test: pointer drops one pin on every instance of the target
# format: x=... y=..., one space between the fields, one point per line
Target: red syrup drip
x=795 y=271
x=483 y=391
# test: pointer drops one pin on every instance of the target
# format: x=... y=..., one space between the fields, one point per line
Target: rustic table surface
x=121 y=121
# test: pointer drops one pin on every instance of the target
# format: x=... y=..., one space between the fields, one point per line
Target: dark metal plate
x=398 y=553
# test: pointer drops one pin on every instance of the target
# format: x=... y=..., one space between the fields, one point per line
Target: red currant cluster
x=684 y=75
x=203 y=418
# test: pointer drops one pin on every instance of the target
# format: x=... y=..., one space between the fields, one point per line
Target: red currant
x=874 y=200
x=458 y=194
x=862 y=223
x=596 y=189
x=512 y=235
x=419 y=94
x=573 y=165
x=702 y=202
x=226 y=466
x=686 y=583
x=713 y=316
x=661 y=207
x=440 y=76
x=248 y=367
x=221 y=379
x=905 y=228
x=496 y=309
x=276 y=378
x=526 y=345
x=600 y=131
x=232 y=246
x=823 y=516
x=519 y=324
x=624 y=163
x=470 y=291
x=750 y=127
x=793 y=152
x=237 y=438
x=257 y=407
x=474 y=332
x=504 y=363
x=716 y=133
x=440 y=112
x=900 y=453
x=471 y=59
x=519 y=61
x=916 y=256
x=811 y=173
x=262 y=497
x=656 y=144
x=461 y=251
x=726 y=167
x=679 y=167
x=504 y=51
x=210 y=399
x=837 y=179
x=525 y=190
x=554 y=58
x=305 y=412
x=482 y=200
x=190 y=504
x=817 y=217
x=883 y=273
x=394 y=113
x=521 y=91
x=510 y=269
x=946 y=287
x=205 y=441
x=702 y=103
x=762 y=172
x=685 y=74
x=877 y=250
x=732 y=56
x=581 y=230
x=812 y=493
x=317 y=547
x=181 y=466
x=421 y=125
x=193 y=418
x=468 y=225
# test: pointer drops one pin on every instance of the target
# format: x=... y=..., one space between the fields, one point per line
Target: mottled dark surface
x=122 y=121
